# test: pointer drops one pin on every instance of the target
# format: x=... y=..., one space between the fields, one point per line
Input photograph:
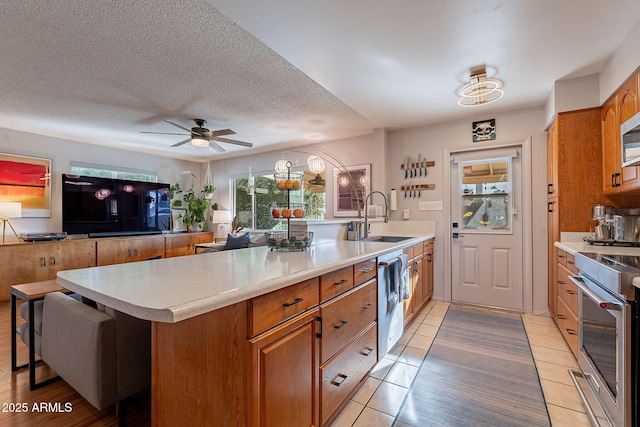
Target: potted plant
x=194 y=217
x=208 y=190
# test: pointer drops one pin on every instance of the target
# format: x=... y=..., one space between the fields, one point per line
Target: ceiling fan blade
x=182 y=142
x=222 y=132
x=216 y=147
x=162 y=133
x=178 y=126
x=232 y=141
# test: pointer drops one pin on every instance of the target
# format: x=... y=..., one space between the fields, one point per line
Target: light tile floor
x=379 y=399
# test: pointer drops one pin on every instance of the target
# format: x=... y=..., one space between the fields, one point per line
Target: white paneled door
x=486 y=249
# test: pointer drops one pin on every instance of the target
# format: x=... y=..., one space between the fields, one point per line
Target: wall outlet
x=406 y=214
x=430 y=206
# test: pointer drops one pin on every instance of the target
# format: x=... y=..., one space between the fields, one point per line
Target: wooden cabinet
x=566 y=304
x=619 y=108
x=346 y=316
x=342 y=373
x=185 y=244
x=275 y=307
x=118 y=251
x=335 y=283
x=574 y=148
x=32 y=262
x=420 y=278
x=348 y=343
x=427 y=271
x=283 y=380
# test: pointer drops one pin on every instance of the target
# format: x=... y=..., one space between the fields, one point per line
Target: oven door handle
x=607 y=305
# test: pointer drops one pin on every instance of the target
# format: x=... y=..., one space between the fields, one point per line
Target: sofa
x=104 y=354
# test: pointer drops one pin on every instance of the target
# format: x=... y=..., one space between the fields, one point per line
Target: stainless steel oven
x=607 y=355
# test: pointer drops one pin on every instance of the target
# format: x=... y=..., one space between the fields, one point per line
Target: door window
x=485 y=195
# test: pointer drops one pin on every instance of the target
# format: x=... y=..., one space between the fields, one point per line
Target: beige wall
x=431 y=141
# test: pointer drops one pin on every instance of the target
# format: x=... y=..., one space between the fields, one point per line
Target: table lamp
x=9 y=210
x=222 y=218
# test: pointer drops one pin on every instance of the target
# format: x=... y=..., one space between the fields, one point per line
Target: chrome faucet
x=366 y=212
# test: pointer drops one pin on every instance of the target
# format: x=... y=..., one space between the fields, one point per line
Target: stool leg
x=32 y=345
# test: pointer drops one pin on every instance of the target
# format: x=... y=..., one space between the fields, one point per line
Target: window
x=102 y=171
x=255 y=200
x=485 y=188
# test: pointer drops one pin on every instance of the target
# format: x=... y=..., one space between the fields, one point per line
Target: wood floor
x=48 y=405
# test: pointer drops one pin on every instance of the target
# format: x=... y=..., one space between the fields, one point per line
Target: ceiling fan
x=203 y=137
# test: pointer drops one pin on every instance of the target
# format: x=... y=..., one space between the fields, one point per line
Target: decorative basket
x=289 y=241
x=289 y=181
x=291 y=211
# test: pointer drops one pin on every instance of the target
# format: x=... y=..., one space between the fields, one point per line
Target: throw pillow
x=237 y=242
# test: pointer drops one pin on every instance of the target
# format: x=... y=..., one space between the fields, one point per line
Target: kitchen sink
x=386 y=239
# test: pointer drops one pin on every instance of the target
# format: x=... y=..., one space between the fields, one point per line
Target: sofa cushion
x=238 y=242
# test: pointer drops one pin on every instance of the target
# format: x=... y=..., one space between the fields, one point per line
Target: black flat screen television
x=112 y=207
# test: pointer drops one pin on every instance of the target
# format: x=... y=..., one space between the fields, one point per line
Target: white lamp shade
x=282 y=166
x=10 y=210
x=316 y=164
x=221 y=217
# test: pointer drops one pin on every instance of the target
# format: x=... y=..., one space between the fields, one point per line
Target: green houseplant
x=196 y=207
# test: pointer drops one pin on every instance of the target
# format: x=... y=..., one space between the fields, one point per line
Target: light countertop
x=173 y=289
x=573 y=247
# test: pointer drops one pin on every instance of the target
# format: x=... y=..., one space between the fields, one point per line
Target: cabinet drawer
x=571 y=263
x=336 y=282
x=418 y=249
x=567 y=290
x=346 y=316
x=344 y=372
x=428 y=245
x=408 y=251
x=275 y=307
x=562 y=257
x=364 y=271
x=568 y=325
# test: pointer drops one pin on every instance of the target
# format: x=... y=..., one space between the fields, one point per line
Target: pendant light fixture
x=480 y=90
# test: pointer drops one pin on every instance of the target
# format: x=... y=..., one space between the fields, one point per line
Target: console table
x=30 y=293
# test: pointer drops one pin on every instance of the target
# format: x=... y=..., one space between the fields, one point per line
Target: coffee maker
x=604 y=216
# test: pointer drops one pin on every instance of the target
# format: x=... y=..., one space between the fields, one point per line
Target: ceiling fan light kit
x=480 y=90
x=203 y=137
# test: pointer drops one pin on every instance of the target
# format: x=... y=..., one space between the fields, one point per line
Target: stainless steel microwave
x=630 y=138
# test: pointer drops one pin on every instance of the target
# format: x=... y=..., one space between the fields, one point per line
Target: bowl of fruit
x=293 y=210
x=289 y=181
x=289 y=241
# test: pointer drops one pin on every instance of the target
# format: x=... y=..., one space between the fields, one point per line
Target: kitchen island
x=238 y=337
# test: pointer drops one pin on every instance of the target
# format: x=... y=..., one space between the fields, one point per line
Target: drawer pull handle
x=570 y=292
x=295 y=301
x=366 y=270
x=570 y=262
x=367 y=306
x=561 y=316
x=341 y=282
x=341 y=325
x=571 y=332
x=340 y=379
x=367 y=351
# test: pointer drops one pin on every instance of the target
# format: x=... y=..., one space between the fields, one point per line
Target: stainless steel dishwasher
x=390 y=309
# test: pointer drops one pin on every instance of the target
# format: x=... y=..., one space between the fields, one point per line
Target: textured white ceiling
x=282 y=72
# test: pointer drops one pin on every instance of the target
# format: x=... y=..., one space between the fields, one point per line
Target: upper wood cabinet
x=552 y=160
x=620 y=107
